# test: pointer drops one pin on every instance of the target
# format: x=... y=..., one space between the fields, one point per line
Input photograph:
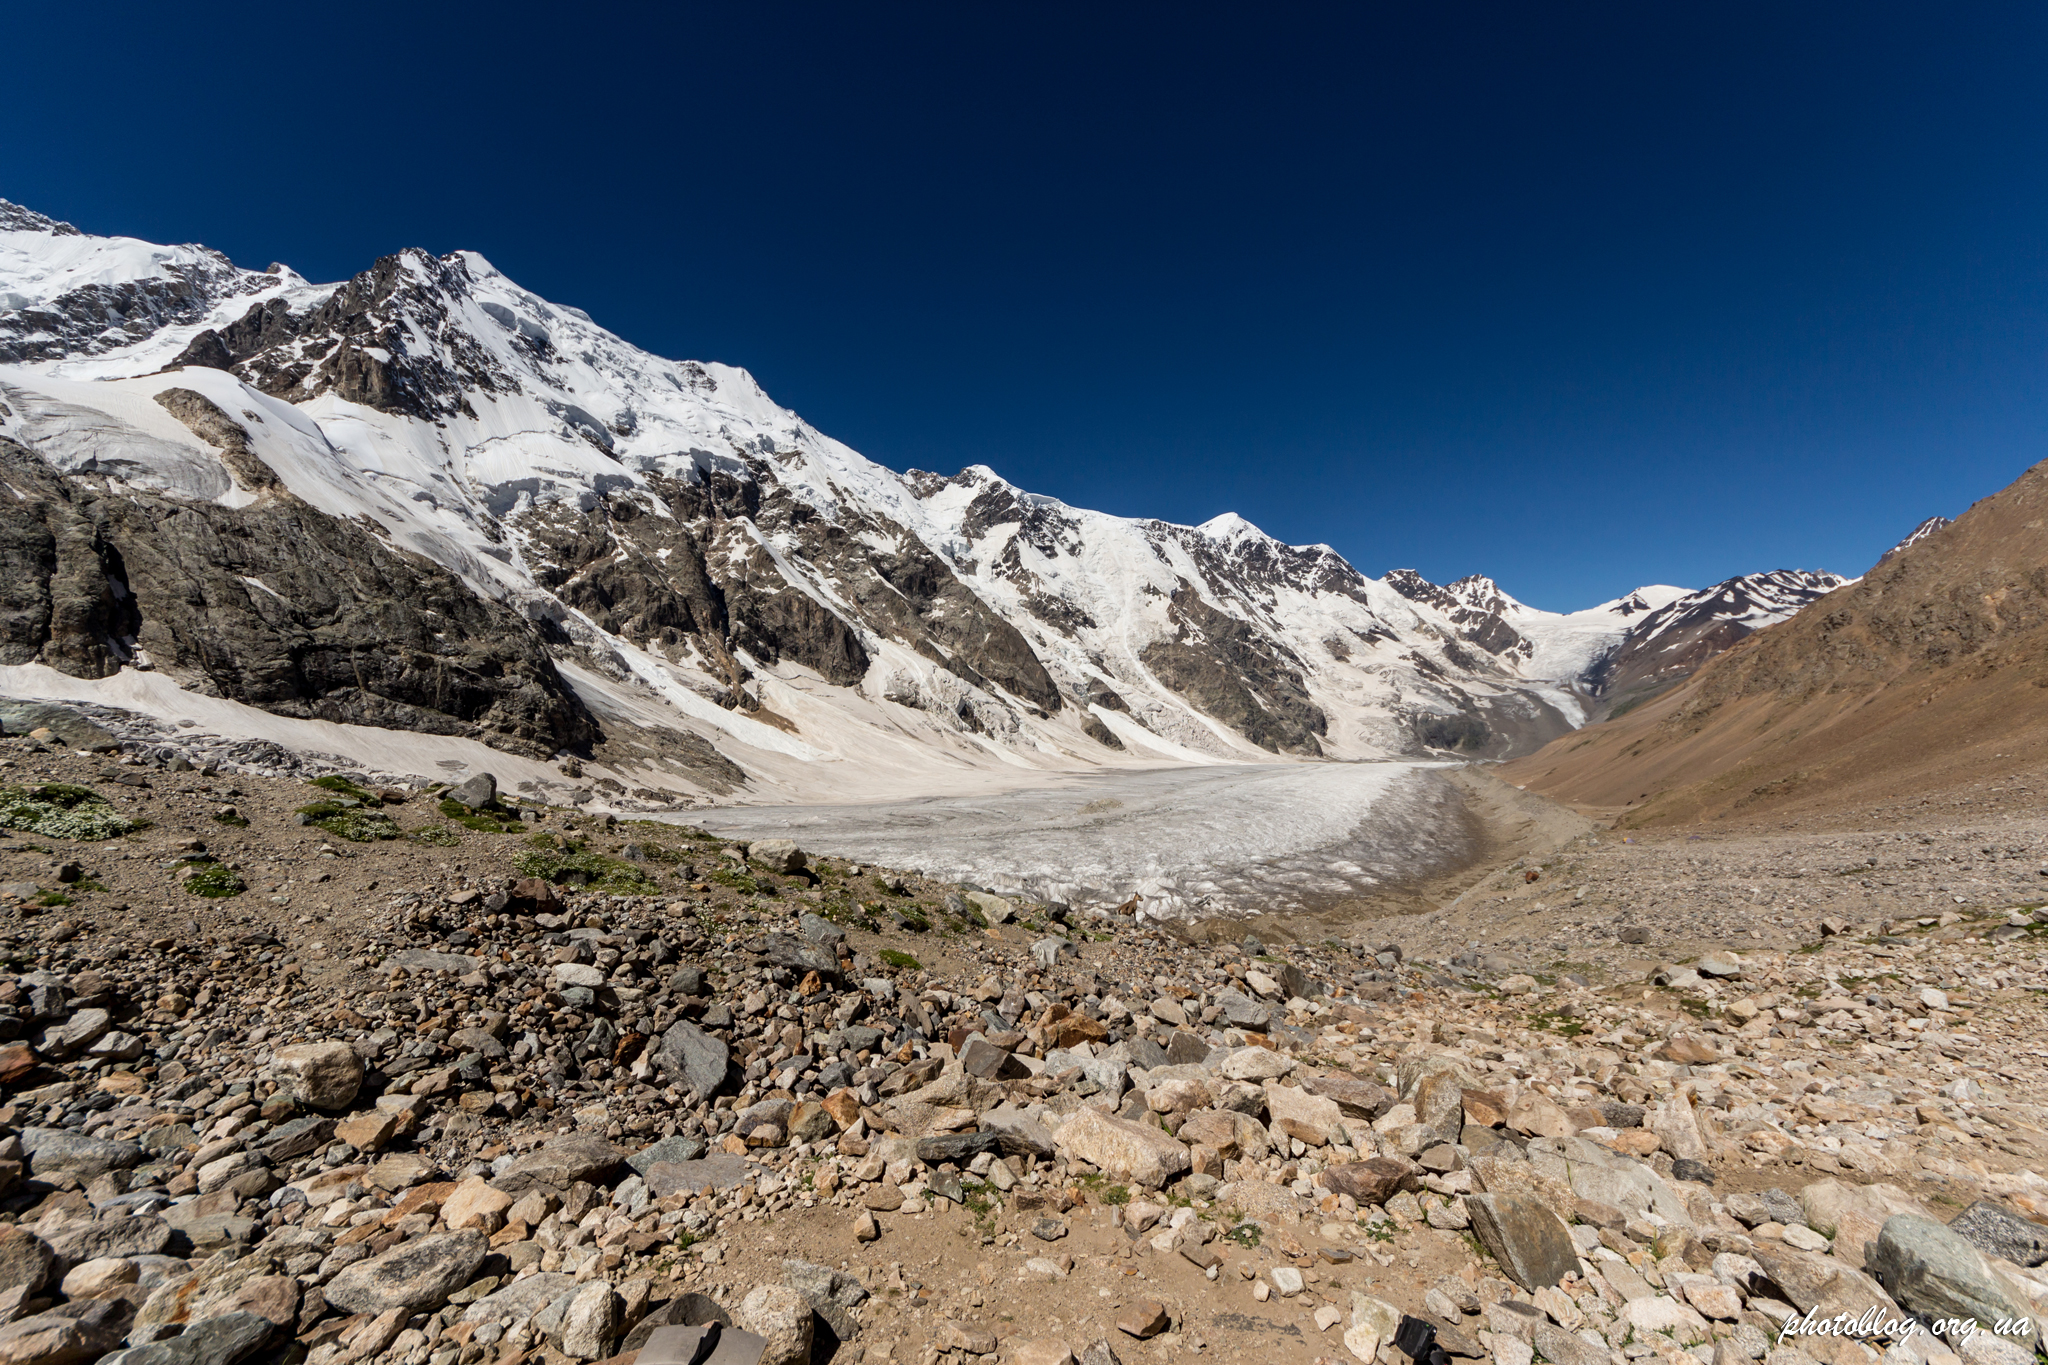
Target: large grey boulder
x=589 y=1322
x=58 y=1149
x=560 y=1163
x=721 y=1172
x=1932 y=1271
x=416 y=1275
x=217 y=1341
x=520 y=1299
x=475 y=792
x=681 y=1147
x=820 y=930
x=784 y=1317
x=143 y=1235
x=793 y=954
x=324 y=1075
x=778 y=855
x=688 y=1054
x=75 y=1034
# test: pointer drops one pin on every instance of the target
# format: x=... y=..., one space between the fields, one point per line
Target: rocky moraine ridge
x=337 y=1070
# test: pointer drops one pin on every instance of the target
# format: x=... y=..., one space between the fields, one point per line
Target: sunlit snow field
x=1239 y=839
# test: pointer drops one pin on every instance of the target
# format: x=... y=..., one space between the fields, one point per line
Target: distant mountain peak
x=1915 y=536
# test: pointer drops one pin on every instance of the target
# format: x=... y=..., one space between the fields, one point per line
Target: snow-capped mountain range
x=429 y=500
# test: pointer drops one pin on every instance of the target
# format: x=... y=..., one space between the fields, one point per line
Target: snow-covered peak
x=67 y=293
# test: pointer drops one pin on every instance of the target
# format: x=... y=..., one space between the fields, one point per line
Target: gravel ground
x=526 y=1083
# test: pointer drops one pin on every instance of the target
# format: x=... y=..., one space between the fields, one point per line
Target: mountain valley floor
x=454 y=1077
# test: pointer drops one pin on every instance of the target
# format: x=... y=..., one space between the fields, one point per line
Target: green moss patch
x=580 y=867
x=353 y=823
x=62 y=811
x=215 y=881
x=487 y=820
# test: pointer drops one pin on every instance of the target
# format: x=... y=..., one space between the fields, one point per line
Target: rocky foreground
x=353 y=1073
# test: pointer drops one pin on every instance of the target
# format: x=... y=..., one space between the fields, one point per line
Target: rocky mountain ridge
x=655 y=549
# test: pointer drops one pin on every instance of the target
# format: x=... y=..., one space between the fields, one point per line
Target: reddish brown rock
x=1374 y=1181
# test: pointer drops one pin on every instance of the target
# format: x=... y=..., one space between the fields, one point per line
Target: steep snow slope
x=699 y=561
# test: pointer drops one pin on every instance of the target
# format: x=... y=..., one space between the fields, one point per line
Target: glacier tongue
x=1235 y=840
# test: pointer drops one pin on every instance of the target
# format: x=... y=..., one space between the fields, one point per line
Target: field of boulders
x=454 y=1078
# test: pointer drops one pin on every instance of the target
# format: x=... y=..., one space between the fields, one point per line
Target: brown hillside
x=1927 y=677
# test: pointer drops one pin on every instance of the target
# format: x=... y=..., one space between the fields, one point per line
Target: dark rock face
x=348 y=630
x=1217 y=663
x=357 y=344
x=1475 y=606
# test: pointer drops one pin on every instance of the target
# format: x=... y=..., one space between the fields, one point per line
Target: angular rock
x=475 y=1204
x=693 y=1058
x=520 y=1299
x=65 y=1337
x=1820 y=1283
x=51 y=1150
x=418 y=1275
x=425 y=960
x=778 y=855
x=981 y=1058
x=325 y=1075
x=783 y=1316
x=681 y=1147
x=1931 y=1271
x=1256 y=1064
x=1143 y=1319
x=1440 y=1105
x=1311 y=1118
x=590 y=1322
x=1997 y=1231
x=1373 y=1181
x=1854 y=1214
x=26 y=1260
x=724 y=1172
x=101 y=1238
x=1127 y=1150
x=1356 y=1096
x=221 y=1340
x=75 y=1034
x=1530 y=1242
x=562 y=1162
x=475 y=792
x=820 y=930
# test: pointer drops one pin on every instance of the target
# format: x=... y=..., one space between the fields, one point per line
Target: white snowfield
x=567 y=413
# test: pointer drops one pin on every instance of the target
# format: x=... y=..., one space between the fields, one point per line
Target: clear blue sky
x=1578 y=296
